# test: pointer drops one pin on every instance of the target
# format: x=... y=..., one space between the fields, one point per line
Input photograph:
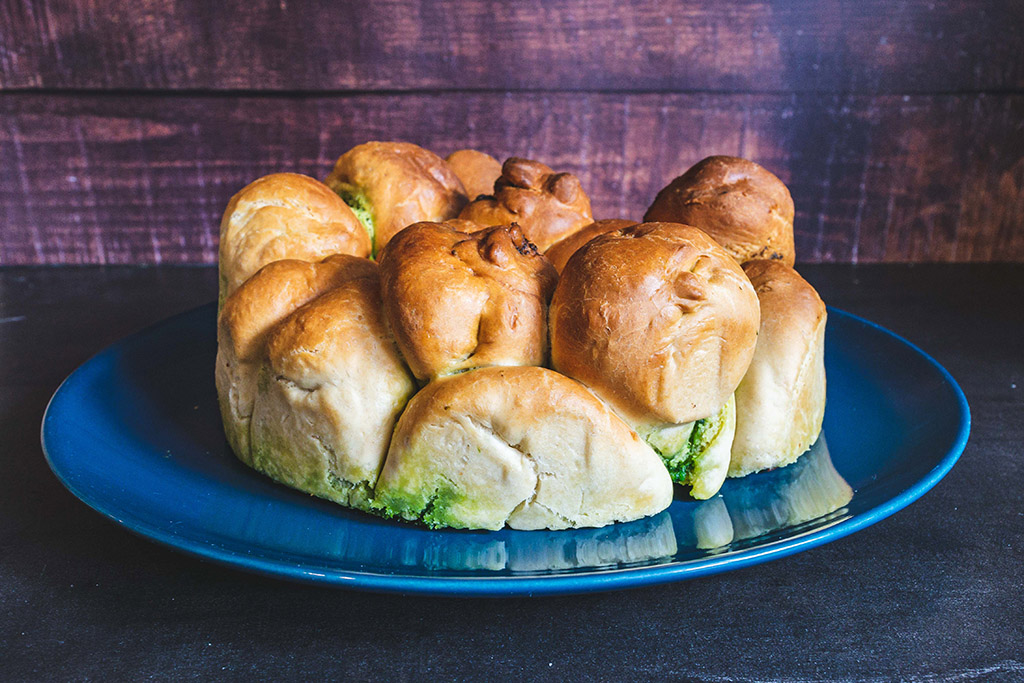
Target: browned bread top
x=548 y=206
x=658 y=319
x=397 y=184
x=457 y=300
x=742 y=205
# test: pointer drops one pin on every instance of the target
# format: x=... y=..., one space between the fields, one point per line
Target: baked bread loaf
x=780 y=404
x=659 y=375
x=522 y=446
x=390 y=185
x=329 y=383
x=477 y=171
x=742 y=205
x=661 y=322
x=457 y=301
x=284 y=216
x=561 y=250
x=548 y=206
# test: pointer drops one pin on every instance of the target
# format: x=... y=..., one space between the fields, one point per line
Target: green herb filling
x=361 y=207
x=681 y=447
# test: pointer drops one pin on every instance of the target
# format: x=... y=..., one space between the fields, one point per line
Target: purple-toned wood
x=866 y=46
x=125 y=179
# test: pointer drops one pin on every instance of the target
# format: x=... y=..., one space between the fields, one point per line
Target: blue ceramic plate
x=135 y=433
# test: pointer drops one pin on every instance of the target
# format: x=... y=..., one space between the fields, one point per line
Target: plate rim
x=510 y=585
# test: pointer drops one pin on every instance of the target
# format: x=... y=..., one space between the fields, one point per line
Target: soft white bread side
x=696 y=453
x=329 y=394
x=780 y=404
x=248 y=315
x=284 y=216
x=712 y=464
x=522 y=446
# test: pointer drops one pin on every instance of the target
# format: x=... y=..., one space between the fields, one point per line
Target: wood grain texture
x=111 y=179
x=833 y=46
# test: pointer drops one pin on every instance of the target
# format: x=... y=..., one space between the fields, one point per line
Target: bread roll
x=284 y=216
x=263 y=301
x=457 y=301
x=477 y=171
x=522 y=446
x=661 y=322
x=743 y=206
x=548 y=206
x=561 y=250
x=657 y=318
x=391 y=185
x=329 y=394
x=780 y=404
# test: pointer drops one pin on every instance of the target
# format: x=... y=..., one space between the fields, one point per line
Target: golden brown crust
x=403 y=184
x=463 y=225
x=561 y=250
x=477 y=171
x=275 y=291
x=787 y=300
x=548 y=206
x=658 y=319
x=332 y=330
x=780 y=404
x=742 y=205
x=284 y=216
x=457 y=301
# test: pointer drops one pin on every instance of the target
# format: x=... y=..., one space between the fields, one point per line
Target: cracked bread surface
x=524 y=447
x=457 y=301
x=310 y=378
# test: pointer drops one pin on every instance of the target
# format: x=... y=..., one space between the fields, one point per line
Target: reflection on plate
x=807 y=490
x=135 y=433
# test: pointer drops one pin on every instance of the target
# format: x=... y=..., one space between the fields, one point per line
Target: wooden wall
x=898 y=125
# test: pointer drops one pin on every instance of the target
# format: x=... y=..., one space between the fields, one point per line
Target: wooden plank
x=836 y=46
x=125 y=179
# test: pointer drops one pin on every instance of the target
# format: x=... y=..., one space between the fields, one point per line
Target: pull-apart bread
x=548 y=206
x=390 y=185
x=284 y=216
x=742 y=205
x=661 y=322
x=510 y=361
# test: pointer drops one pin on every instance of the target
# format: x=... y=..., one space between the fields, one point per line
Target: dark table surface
x=934 y=593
